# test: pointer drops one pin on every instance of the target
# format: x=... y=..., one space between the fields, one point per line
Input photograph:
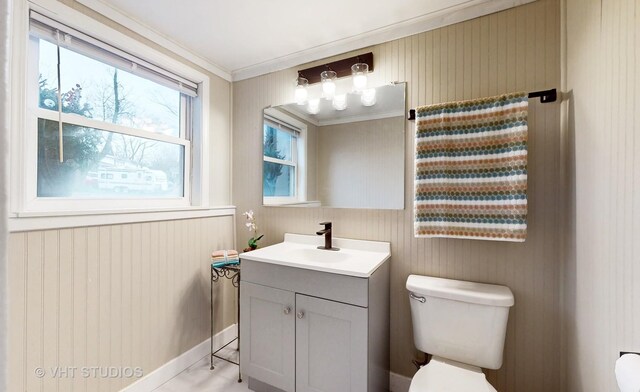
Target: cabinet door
x=267 y=335
x=331 y=346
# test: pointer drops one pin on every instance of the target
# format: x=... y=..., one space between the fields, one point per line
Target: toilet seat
x=443 y=375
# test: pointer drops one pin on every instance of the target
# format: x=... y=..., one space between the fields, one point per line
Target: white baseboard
x=398 y=383
x=180 y=363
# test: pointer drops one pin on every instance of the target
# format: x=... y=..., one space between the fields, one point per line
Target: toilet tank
x=458 y=320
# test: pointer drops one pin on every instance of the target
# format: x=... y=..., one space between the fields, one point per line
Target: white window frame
x=23 y=150
x=299 y=160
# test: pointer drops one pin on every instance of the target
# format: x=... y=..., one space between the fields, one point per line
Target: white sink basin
x=311 y=255
x=355 y=258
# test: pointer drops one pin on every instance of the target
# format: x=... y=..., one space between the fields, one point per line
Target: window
x=104 y=125
x=283 y=158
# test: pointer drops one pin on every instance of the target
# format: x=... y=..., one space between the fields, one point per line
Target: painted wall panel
x=132 y=295
x=602 y=267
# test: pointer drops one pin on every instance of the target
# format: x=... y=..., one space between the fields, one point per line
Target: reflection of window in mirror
x=284 y=159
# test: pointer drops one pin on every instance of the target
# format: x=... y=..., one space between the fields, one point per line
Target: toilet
x=463 y=326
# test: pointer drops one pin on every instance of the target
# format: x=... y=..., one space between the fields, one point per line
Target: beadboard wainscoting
x=132 y=295
x=603 y=263
x=514 y=50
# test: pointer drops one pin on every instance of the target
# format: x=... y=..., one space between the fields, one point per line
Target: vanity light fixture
x=356 y=67
x=313 y=107
x=301 y=90
x=359 y=73
x=368 y=97
x=328 y=79
x=340 y=102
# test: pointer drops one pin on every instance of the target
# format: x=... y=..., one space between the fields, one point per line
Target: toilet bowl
x=442 y=375
x=463 y=326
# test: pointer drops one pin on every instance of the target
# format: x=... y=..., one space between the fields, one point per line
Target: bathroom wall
x=120 y=295
x=124 y=295
x=603 y=260
x=358 y=161
x=514 y=50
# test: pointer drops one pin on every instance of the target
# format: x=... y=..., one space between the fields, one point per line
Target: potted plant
x=251 y=225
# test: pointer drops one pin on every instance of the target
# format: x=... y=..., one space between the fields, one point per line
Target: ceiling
x=244 y=38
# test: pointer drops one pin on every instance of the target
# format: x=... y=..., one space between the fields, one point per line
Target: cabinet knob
x=287 y=310
x=300 y=314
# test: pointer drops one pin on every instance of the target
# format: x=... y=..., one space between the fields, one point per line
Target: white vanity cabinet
x=314 y=331
x=267 y=327
x=331 y=346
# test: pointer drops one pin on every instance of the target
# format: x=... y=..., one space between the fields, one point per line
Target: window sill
x=30 y=221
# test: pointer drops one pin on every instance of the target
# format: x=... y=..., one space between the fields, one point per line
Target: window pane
x=102 y=164
x=278 y=180
x=277 y=143
x=48 y=77
x=99 y=91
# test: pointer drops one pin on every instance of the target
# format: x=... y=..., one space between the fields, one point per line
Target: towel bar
x=546 y=96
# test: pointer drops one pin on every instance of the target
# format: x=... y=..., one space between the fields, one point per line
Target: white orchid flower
x=252 y=227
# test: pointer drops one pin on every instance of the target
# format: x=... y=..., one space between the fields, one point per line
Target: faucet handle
x=327 y=225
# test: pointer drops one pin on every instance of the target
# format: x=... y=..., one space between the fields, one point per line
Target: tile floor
x=224 y=378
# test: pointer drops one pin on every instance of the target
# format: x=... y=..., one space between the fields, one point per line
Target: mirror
x=319 y=156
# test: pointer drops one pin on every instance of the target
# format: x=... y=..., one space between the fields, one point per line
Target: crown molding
x=144 y=30
x=455 y=14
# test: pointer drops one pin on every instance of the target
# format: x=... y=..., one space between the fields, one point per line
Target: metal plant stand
x=229 y=272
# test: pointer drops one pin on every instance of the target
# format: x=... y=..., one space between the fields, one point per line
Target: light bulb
x=328 y=79
x=329 y=89
x=359 y=82
x=301 y=90
x=313 y=106
x=359 y=73
x=340 y=102
x=301 y=95
x=368 y=97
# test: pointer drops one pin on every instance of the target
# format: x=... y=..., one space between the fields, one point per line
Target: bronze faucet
x=327 y=236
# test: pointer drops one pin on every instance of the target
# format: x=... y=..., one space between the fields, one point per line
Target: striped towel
x=471 y=169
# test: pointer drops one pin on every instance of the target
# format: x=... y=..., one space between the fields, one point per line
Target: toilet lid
x=441 y=375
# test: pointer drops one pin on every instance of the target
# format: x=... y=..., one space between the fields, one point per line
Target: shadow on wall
x=570 y=256
x=196 y=300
